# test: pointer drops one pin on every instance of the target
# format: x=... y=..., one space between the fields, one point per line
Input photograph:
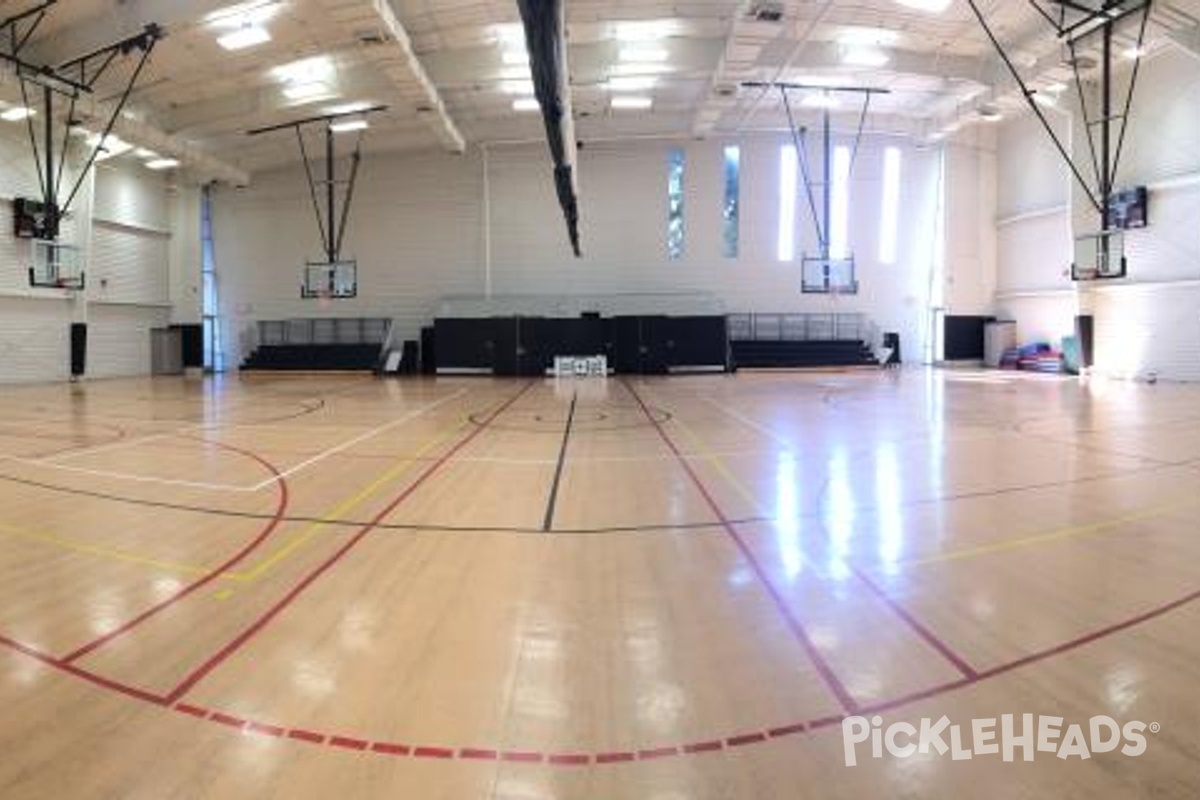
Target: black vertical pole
x=827 y=245
x=48 y=133
x=1106 y=178
x=329 y=194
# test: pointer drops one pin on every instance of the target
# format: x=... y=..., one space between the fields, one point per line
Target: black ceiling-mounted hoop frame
x=1074 y=22
x=72 y=80
x=331 y=236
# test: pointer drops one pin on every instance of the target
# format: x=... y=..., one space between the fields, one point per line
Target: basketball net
x=324 y=299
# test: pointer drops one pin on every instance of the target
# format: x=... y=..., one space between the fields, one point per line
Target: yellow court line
x=718 y=463
x=76 y=546
x=1010 y=544
x=298 y=541
x=404 y=463
x=1070 y=532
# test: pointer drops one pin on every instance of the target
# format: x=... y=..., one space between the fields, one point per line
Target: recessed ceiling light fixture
x=1135 y=52
x=632 y=103
x=526 y=104
x=632 y=83
x=246 y=36
x=16 y=113
x=864 y=56
x=347 y=125
x=650 y=55
x=162 y=163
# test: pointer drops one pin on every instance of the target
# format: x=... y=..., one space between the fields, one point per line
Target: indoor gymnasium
x=599 y=400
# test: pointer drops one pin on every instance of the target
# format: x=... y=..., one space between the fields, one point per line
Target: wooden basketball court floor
x=294 y=587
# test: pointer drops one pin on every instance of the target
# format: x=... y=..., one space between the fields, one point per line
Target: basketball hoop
x=324 y=299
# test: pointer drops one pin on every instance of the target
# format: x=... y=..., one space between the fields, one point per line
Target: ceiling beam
x=396 y=59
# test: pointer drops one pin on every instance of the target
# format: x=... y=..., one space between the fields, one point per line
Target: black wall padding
x=78 y=348
x=465 y=343
x=641 y=345
x=964 y=337
x=1085 y=330
x=428 y=350
x=193 y=344
x=697 y=342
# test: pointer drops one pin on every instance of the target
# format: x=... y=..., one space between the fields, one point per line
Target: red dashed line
x=265 y=730
x=306 y=736
x=194 y=711
x=787 y=730
x=745 y=739
x=522 y=757
x=226 y=719
x=613 y=758
x=569 y=759
x=475 y=754
x=657 y=752
x=388 y=749
x=348 y=743
x=433 y=752
x=704 y=747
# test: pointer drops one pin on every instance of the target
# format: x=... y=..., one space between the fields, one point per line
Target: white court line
x=357 y=440
x=232 y=487
x=772 y=435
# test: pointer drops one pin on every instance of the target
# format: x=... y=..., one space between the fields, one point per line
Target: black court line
x=548 y=521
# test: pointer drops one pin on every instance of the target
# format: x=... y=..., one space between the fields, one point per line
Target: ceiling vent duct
x=766 y=11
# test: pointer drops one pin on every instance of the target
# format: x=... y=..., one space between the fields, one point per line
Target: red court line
x=198 y=674
x=607 y=757
x=927 y=635
x=250 y=547
x=834 y=684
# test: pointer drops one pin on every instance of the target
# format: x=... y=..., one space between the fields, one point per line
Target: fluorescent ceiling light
x=867 y=37
x=632 y=102
x=650 y=31
x=638 y=69
x=1044 y=98
x=349 y=108
x=515 y=57
x=306 y=70
x=1134 y=53
x=820 y=101
x=644 y=54
x=347 y=125
x=1055 y=87
x=932 y=6
x=142 y=152
x=16 y=113
x=307 y=92
x=244 y=37
x=254 y=12
x=517 y=87
x=632 y=83
x=860 y=56
x=162 y=163
x=111 y=147
x=526 y=104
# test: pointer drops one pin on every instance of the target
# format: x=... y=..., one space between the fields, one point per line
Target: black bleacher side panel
x=464 y=343
x=428 y=350
x=698 y=342
x=78 y=348
x=656 y=345
x=627 y=343
x=506 y=341
x=964 y=337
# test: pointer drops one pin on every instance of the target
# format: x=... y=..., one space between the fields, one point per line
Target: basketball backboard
x=828 y=275
x=325 y=280
x=55 y=266
x=1099 y=256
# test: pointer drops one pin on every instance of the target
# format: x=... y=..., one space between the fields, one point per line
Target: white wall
x=1149 y=322
x=119 y=219
x=418 y=232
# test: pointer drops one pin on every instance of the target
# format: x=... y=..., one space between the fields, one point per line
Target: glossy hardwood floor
x=314 y=587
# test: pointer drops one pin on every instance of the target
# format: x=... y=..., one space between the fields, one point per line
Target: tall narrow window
x=788 y=167
x=214 y=356
x=675 y=204
x=733 y=166
x=890 y=214
x=839 y=224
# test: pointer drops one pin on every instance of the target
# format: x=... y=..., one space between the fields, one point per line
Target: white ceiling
x=440 y=66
